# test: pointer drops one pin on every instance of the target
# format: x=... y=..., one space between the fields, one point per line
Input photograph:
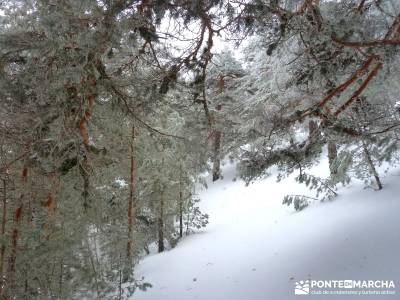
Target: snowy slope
x=255 y=248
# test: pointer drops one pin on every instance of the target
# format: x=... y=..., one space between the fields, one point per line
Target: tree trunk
x=60 y=280
x=180 y=203
x=50 y=207
x=14 y=238
x=160 y=222
x=3 y=230
x=161 y=246
x=313 y=131
x=332 y=154
x=131 y=201
x=120 y=278
x=84 y=171
x=217 y=152
x=371 y=166
x=216 y=157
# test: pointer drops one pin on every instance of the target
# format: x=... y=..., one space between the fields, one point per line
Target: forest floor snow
x=255 y=248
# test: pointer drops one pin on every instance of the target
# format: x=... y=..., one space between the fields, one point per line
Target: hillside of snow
x=256 y=248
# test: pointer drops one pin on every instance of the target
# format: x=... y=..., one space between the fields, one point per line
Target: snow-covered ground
x=256 y=249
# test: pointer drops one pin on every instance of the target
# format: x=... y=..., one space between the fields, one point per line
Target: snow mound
x=255 y=248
